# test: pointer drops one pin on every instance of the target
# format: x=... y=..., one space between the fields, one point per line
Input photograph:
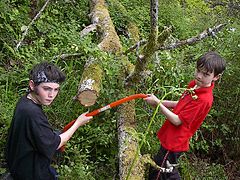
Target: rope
x=164 y=159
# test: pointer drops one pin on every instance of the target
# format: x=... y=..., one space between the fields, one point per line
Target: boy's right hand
x=83 y=119
x=152 y=100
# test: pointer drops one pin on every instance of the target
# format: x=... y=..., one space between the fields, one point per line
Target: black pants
x=53 y=172
x=161 y=159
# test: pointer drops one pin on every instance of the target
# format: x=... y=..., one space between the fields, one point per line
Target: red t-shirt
x=191 y=112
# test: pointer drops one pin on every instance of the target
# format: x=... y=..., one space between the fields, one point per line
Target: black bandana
x=41 y=77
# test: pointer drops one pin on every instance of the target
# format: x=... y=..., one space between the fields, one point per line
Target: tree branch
x=137 y=45
x=88 y=29
x=30 y=24
x=193 y=40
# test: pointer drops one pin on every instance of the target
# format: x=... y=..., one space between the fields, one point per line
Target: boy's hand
x=83 y=119
x=152 y=100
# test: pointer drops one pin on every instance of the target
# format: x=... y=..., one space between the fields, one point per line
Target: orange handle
x=111 y=105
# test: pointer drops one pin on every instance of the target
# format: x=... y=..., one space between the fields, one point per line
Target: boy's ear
x=217 y=77
x=31 y=85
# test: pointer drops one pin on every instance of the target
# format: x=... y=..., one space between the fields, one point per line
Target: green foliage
x=78 y=165
x=200 y=169
x=137 y=12
x=93 y=149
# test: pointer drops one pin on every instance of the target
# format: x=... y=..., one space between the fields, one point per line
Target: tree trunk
x=131 y=164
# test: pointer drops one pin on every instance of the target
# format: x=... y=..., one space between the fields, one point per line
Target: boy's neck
x=198 y=87
x=33 y=98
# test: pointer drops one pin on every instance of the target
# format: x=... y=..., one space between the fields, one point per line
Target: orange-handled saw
x=111 y=105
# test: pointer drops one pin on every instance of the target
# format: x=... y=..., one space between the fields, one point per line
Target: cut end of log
x=87 y=97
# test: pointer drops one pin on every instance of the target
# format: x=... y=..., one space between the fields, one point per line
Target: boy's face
x=45 y=93
x=204 y=78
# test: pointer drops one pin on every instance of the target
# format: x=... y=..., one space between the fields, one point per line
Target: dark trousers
x=161 y=159
x=53 y=172
x=7 y=175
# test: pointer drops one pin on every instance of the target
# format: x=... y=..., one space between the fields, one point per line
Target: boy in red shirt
x=187 y=115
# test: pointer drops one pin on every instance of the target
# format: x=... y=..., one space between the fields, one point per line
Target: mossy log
x=90 y=83
x=110 y=41
x=131 y=164
x=127 y=143
x=148 y=50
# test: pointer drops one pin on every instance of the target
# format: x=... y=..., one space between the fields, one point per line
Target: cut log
x=90 y=83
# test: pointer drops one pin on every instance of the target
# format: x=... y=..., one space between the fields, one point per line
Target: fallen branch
x=189 y=41
x=88 y=29
x=65 y=56
x=193 y=40
x=30 y=24
x=138 y=44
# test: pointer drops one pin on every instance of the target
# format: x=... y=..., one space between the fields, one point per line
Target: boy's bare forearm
x=172 y=117
x=81 y=120
x=169 y=104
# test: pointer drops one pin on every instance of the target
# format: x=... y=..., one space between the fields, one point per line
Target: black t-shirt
x=31 y=142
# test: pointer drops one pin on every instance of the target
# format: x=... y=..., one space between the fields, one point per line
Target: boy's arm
x=169 y=104
x=81 y=120
x=172 y=117
x=154 y=101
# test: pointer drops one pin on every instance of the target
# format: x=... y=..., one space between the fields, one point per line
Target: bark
x=132 y=165
x=148 y=50
x=210 y=32
x=127 y=143
x=203 y=35
x=88 y=29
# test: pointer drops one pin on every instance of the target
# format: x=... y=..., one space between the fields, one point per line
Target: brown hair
x=46 y=72
x=212 y=62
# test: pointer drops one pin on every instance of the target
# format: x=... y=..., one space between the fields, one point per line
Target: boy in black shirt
x=32 y=141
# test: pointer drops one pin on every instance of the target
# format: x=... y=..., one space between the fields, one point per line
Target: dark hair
x=46 y=72
x=212 y=62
